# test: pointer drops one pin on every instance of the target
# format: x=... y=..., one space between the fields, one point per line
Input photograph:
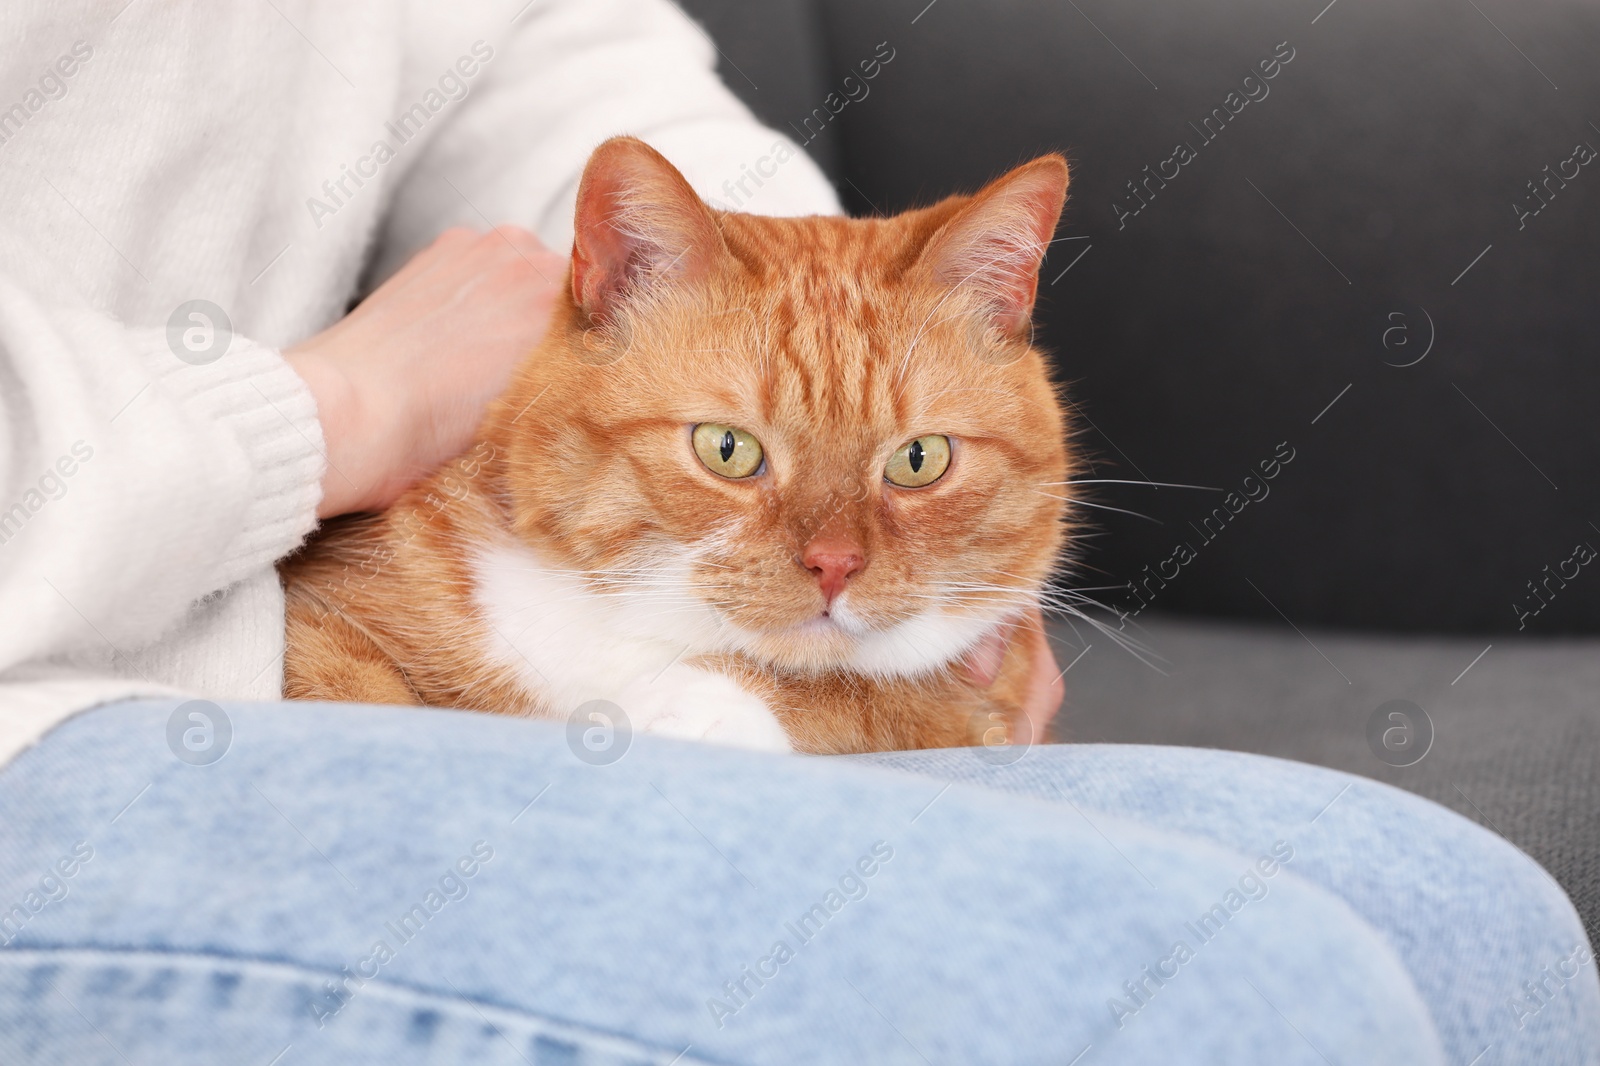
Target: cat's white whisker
x=1131 y=645
x=1119 y=481
x=1101 y=507
x=1069 y=603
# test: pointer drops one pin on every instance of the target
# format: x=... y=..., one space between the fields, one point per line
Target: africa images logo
x=452 y=86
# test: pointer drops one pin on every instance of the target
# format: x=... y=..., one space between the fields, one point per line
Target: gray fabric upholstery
x=1516 y=740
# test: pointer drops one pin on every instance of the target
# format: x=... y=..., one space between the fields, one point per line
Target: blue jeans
x=389 y=885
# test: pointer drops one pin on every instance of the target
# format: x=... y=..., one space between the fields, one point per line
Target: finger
x=980 y=666
x=1046 y=685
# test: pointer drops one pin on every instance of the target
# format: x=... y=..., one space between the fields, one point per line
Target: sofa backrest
x=1354 y=248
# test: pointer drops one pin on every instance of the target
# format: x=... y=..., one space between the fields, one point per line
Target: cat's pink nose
x=832 y=560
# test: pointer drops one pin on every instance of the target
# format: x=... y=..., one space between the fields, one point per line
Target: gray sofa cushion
x=1516 y=738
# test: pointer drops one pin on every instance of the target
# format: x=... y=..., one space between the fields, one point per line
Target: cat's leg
x=699 y=704
x=327 y=657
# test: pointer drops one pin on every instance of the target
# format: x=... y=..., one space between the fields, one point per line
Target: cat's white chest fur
x=569 y=643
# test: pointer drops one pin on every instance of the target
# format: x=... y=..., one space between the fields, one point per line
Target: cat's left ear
x=638 y=224
x=995 y=243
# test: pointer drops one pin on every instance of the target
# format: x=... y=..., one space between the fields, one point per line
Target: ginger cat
x=763 y=483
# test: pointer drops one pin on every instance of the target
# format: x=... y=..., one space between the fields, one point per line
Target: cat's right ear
x=639 y=224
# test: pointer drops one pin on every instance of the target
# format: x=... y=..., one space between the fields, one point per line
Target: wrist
x=339 y=411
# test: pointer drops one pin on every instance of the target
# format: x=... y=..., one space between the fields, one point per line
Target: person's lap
x=625 y=911
x=1471 y=916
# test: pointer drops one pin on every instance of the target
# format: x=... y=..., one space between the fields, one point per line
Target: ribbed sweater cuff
x=270 y=410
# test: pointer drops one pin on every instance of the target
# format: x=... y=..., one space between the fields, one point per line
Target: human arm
x=564 y=76
x=1045 y=685
x=402 y=381
x=134 y=483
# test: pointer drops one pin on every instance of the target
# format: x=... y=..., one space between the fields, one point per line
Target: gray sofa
x=1378 y=255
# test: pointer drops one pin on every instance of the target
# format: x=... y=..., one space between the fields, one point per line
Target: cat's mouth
x=828 y=639
x=820 y=633
x=824 y=622
x=817 y=644
x=840 y=638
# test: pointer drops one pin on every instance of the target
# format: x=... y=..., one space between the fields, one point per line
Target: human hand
x=1046 y=688
x=402 y=382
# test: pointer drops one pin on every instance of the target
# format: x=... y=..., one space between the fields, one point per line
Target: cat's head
x=821 y=442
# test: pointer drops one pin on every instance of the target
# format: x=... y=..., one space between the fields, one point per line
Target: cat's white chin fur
x=567 y=645
x=917 y=645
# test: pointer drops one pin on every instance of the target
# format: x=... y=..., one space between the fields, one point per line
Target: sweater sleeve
x=132 y=482
x=566 y=75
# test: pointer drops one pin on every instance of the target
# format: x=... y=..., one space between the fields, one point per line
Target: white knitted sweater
x=274 y=160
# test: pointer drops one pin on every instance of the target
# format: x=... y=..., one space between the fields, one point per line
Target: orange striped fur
x=581 y=550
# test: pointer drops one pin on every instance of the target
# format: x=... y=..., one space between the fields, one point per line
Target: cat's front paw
x=695 y=704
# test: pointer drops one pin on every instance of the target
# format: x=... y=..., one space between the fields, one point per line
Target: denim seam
x=207 y=962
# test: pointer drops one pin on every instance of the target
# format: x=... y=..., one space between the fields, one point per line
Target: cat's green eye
x=733 y=453
x=922 y=462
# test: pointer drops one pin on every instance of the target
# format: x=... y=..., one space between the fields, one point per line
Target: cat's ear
x=638 y=224
x=994 y=244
